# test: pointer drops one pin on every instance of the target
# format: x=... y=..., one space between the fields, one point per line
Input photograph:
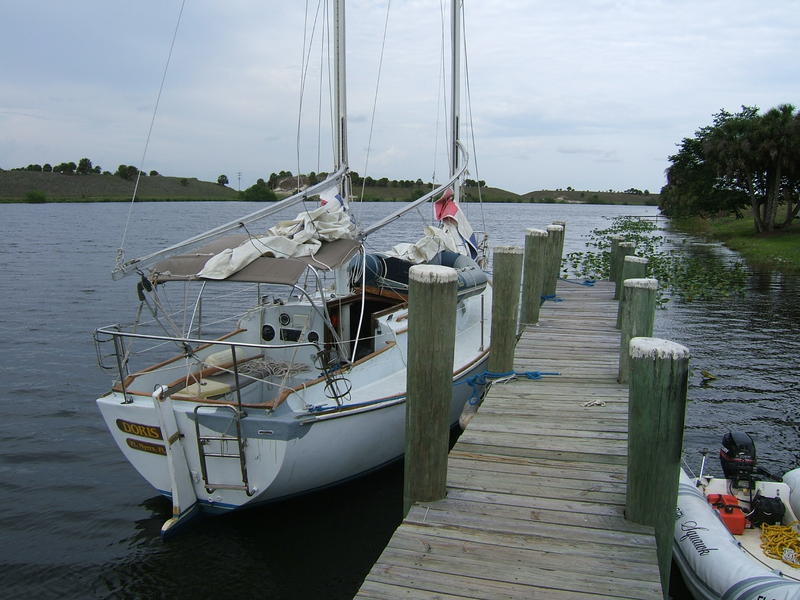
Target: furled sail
x=301 y=236
x=455 y=234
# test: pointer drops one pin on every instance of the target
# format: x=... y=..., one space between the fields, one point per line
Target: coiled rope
x=585 y=282
x=781 y=542
x=483 y=379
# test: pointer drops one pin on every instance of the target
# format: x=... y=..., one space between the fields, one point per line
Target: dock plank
x=537 y=482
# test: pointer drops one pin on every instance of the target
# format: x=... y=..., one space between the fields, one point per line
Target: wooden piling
x=533 y=274
x=431 y=342
x=656 y=411
x=624 y=249
x=555 y=246
x=507 y=269
x=638 y=314
x=633 y=267
x=616 y=240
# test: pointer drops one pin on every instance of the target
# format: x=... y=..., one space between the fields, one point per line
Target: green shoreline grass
x=31 y=187
x=779 y=250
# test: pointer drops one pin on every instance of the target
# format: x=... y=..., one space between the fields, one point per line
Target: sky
x=590 y=94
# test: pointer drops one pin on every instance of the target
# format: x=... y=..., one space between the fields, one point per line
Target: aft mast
x=340 y=101
x=455 y=93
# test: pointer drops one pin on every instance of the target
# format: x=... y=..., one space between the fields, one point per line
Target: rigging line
x=194 y=312
x=375 y=100
x=305 y=61
x=469 y=110
x=121 y=249
x=363 y=305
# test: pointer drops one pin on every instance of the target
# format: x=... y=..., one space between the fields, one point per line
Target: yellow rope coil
x=781 y=542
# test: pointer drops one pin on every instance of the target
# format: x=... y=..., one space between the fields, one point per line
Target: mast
x=455 y=91
x=340 y=96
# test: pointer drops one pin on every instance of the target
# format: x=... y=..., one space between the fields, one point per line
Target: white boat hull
x=319 y=452
x=304 y=443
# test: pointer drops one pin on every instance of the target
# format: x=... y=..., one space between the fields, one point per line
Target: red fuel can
x=730 y=512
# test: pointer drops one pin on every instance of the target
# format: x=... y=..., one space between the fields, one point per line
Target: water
x=80 y=523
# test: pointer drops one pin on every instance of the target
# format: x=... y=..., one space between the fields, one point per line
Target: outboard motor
x=738 y=457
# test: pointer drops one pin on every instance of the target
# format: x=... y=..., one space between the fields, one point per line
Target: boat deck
x=536 y=484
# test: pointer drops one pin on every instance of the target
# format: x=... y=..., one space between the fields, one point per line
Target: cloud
x=598 y=154
x=594 y=95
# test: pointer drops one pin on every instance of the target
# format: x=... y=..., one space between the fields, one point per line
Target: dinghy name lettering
x=690 y=529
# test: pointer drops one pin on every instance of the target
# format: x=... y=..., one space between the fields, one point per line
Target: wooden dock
x=536 y=484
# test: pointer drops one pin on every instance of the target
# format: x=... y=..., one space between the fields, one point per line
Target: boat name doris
x=148 y=431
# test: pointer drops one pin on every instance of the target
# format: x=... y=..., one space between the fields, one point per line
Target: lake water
x=80 y=523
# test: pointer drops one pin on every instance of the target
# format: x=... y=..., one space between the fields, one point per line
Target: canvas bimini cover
x=322 y=237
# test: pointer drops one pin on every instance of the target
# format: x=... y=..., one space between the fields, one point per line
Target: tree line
x=742 y=161
x=85 y=167
x=264 y=190
x=280 y=178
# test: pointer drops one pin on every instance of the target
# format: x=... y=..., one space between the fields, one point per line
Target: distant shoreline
x=31 y=187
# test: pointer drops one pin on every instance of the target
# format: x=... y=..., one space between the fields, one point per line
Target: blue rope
x=480 y=380
x=586 y=282
x=552 y=297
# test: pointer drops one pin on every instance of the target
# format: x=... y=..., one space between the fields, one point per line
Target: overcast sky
x=592 y=94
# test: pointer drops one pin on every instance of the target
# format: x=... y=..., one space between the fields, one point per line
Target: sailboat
x=307 y=389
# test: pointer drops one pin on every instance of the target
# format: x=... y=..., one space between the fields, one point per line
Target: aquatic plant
x=679 y=274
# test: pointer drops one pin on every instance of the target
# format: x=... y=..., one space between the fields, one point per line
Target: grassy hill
x=387 y=194
x=587 y=197
x=16 y=185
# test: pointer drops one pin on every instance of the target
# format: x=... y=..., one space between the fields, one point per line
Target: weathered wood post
x=507 y=269
x=560 y=250
x=624 y=249
x=533 y=274
x=431 y=342
x=616 y=240
x=555 y=245
x=638 y=315
x=656 y=411
x=633 y=267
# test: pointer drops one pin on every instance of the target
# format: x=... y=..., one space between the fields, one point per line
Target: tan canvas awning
x=266 y=269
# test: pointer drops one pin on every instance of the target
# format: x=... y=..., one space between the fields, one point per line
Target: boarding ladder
x=228 y=446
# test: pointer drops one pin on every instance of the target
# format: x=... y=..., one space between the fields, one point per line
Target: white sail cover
x=455 y=234
x=301 y=236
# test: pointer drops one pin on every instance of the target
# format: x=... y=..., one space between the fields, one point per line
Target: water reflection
x=751 y=345
x=263 y=552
